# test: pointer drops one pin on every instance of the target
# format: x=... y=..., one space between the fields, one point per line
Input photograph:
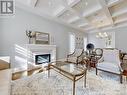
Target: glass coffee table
x=72 y=71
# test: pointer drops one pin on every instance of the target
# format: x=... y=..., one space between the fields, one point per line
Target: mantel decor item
x=37 y=37
x=42 y=38
x=31 y=35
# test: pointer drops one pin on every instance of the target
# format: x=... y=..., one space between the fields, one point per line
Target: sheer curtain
x=71 y=43
x=85 y=43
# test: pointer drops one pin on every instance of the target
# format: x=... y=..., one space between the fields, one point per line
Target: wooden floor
x=21 y=74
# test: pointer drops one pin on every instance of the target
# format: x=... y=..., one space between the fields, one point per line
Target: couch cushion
x=108 y=66
x=111 y=56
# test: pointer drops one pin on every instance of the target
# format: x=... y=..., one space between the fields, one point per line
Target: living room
x=67 y=35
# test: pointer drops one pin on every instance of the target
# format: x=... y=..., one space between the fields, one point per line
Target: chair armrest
x=123 y=66
x=70 y=54
x=80 y=57
x=120 y=67
x=101 y=60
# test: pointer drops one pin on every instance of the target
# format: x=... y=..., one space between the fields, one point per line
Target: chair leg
x=121 y=79
x=96 y=71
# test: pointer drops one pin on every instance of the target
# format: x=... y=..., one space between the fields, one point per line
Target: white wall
x=101 y=43
x=121 y=39
x=12 y=31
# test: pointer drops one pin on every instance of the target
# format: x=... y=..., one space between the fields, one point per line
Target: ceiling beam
x=114 y=2
x=33 y=3
x=67 y=7
x=57 y=14
x=109 y=28
x=81 y=17
x=74 y=3
x=106 y=11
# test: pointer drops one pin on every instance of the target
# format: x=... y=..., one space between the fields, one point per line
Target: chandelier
x=106 y=37
x=102 y=35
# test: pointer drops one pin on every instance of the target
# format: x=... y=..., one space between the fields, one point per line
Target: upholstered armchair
x=110 y=62
x=76 y=56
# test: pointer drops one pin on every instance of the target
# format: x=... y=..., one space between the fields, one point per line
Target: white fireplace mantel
x=37 y=49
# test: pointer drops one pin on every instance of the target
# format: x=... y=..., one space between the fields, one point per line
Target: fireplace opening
x=44 y=58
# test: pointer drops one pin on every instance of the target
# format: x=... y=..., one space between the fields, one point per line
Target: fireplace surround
x=41 y=54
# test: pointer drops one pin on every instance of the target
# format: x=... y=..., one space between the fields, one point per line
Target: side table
x=90 y=62
x=125 y=74
x=124 y=67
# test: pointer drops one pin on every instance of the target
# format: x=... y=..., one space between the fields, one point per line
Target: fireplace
x=43 y=58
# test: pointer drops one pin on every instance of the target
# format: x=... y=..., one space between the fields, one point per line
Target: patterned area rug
x=56 y=84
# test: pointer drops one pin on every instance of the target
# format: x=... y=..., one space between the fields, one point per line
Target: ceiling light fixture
x=102 y=35
x=106 y=37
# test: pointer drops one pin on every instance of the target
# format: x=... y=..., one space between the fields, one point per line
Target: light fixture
x=102 y=35
x=105 y=36
x=30 y=34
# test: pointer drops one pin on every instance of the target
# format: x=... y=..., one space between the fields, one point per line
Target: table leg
x=48 y=71
x=85 y=81
x=121 y=79
x=74 y=86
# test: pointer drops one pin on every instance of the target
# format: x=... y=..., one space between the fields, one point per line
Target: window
x=71 y=43
x=85 y=43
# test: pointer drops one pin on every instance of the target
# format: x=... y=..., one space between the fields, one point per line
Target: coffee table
x=72 y=71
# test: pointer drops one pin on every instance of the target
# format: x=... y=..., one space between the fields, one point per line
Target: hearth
x=43 y=58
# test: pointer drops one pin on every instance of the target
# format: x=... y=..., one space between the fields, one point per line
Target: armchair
x=76 y=56
x=110 y=62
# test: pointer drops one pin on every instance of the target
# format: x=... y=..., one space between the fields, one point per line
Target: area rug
x=56 y=84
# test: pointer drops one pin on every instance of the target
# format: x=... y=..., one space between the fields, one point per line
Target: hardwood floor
x=18 y=75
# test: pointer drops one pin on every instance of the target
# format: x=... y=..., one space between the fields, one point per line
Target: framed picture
x=41 y=38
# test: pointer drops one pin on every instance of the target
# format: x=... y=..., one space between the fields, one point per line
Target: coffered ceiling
x=83 y=15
